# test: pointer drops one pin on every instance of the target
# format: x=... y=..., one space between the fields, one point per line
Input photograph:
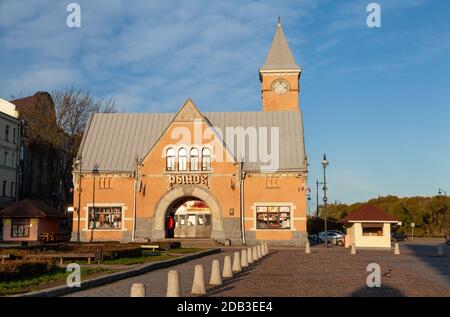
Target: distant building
x=9 y=150
x=44 y=167
x=31 y=221
x=9 y=154
x=369 y=227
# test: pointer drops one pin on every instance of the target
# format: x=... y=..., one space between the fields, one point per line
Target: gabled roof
x=369 y=213
x=112 y=141
x=280 y=55
x=29 y=208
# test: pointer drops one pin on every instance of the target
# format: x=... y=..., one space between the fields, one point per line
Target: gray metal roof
x=280 y=55
x=112 y=141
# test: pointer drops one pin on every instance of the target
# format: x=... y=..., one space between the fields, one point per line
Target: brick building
x=238 y=176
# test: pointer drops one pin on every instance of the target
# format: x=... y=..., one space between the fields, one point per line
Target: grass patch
x=29 y=284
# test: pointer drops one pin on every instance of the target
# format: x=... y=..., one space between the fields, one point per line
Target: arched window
x=170 y=159
x=182 y=159
x=195 y=160
x=206 y=159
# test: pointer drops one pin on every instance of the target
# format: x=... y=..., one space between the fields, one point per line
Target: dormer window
x=182 y=159
x=195 y=160
x=206 y=159
x=170 y=159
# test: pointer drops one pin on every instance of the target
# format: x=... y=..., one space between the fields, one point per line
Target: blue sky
x=375 y=100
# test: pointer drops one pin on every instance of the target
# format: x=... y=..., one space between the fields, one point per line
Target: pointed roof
x=369 y=213
x=280 y=55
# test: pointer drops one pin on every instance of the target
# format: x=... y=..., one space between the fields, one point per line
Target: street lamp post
x=78 y=163
x=440 y=192
x=325 y=164
x=317 y=208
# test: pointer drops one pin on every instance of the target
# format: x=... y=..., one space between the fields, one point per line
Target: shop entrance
x=188 y=218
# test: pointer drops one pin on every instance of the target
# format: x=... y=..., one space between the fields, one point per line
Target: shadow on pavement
x=377 y=292
x=428 y=253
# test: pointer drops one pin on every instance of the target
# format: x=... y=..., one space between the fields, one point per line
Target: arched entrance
x=188 y=217
x=178 y=193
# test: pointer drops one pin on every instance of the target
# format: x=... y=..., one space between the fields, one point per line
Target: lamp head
x=325 y=162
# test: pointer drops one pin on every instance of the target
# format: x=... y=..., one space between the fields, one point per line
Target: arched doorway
x=188 y=217
x=178 y=193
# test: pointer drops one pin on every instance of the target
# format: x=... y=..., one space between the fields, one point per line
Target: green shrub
x=17 y=270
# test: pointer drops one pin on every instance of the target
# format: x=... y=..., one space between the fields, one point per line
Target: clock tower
x=280 y=76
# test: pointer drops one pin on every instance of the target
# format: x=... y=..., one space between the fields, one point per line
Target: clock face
x=280 y=87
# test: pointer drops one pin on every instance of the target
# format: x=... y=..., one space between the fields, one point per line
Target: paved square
x=418 y=271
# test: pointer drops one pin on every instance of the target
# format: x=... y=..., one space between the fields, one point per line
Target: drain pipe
x=133 y=232
x=241 y=179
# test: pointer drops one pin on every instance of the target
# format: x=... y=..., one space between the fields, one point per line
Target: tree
x=73 y=108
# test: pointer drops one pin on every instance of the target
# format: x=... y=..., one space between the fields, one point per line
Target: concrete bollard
x=244 y=258
x=263 y=250
x=353 y=249
x=216 y=277
x=249 y=256
x=396 y=249
x=173 y=284
x=198 y=286
x=227 y=271
x=307 y=248
x=441 y=250
x=258 y=251
x=137 y=290
x=255 y=254
x=237 y=262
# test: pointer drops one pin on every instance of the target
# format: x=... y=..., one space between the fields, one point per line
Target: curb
x=114 y=277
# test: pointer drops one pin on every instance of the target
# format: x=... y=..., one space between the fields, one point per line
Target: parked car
x=396 y=236
x=333 y=237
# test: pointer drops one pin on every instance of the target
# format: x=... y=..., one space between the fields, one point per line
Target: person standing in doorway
x=171 y=226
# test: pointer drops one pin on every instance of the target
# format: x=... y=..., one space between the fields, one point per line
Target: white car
x=333 y=237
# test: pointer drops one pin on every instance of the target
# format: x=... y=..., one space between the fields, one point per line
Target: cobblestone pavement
x=325 y=272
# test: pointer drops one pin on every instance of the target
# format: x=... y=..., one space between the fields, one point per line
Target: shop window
x=182 y=159
x=206 y=159
x=372 y=230
x=273 y=217
x=105 y=218
x=20 y=228
x=194 y=160
x=170 y=160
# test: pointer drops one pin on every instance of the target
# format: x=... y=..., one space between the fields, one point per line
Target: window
x=105 y=218
x=206 y=159
x=104 y=183
x=170 y=159
x=14 y=135
x=4 y=189
x=272 y=182
x=7 y=133
x=194 y=160
x=273 y=217
x=5 y=160
x=20 y=228
x=369 y=230
x=182 y=159
x=12 y=190
x=13 y=161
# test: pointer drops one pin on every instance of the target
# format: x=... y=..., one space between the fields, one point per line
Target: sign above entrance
x=195 y=179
